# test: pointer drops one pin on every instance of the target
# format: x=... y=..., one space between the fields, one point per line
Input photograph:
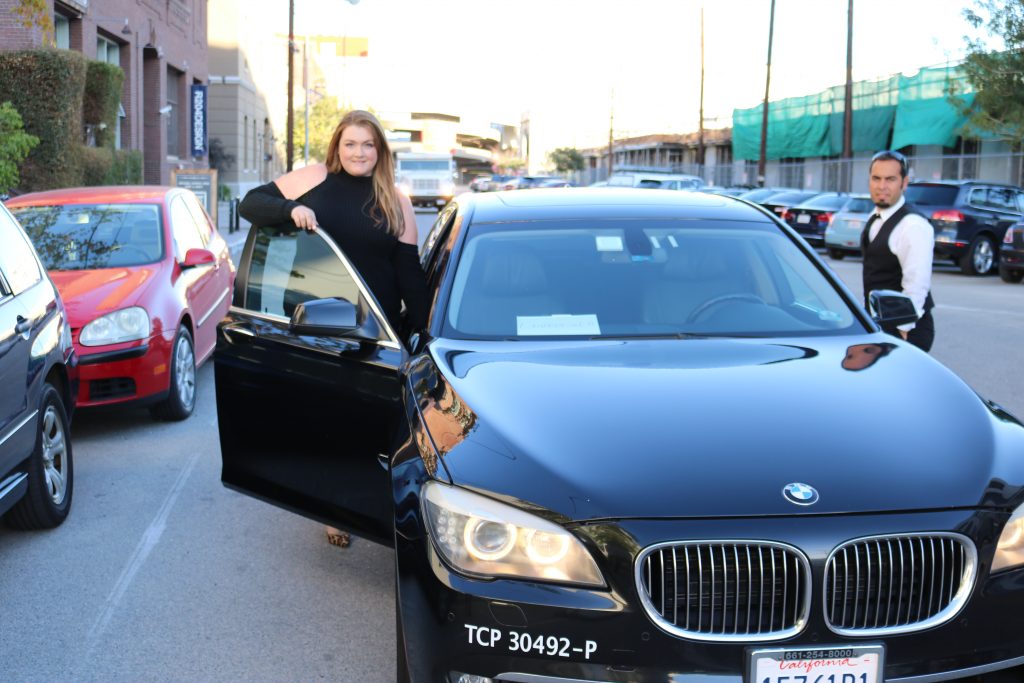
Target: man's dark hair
x=891 y=155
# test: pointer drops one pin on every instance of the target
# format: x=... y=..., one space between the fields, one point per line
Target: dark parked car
x=1011 y=254
x=589 y=465
x=810 y=218
x=758 y=194
x=37 y=388
x=970 y=218
x=780 y=202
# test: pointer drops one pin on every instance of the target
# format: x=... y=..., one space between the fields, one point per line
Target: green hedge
x=102 y=95
x=46 y=87
x=106 y=166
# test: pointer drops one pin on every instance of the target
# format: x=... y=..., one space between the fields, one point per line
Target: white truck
x=427 y=178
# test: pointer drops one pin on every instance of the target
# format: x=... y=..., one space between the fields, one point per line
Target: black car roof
x=607 y=202
x=963 y=183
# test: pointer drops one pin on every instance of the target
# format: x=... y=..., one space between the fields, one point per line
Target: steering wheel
x=718 y=300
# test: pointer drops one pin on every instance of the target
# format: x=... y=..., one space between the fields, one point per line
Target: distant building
x=160 y=46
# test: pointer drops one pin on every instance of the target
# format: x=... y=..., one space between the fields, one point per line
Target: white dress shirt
x=912 y=241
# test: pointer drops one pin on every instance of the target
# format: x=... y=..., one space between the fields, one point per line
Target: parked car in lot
x=842 y=236
x=761 y=193
x=588 y=463
x=1011 y=254
x=810 y=218
x=780 y=202
x=37 y=388
x=970 y=218
x=480 y=183
x=145 y=277
x=656 y=181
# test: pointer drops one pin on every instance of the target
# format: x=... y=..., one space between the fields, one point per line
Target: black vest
x=882 y=268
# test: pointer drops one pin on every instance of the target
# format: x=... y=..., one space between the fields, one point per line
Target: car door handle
x=238 y=332
x=23 y=326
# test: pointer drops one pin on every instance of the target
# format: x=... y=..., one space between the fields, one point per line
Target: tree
x=997 y=77
x=36 y=13
x=324 y=115
x=219 y=157
x=15 y=144
x=566 y=159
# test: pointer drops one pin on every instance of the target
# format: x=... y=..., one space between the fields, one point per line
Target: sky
x=568 y=66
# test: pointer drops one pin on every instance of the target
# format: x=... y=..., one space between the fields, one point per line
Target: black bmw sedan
x=621 y=450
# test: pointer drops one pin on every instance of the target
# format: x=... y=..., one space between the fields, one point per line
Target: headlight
x=128 y=324
x=485 y=538
x=1010 y=549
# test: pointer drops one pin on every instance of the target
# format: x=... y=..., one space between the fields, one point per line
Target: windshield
x=827 y=201
x=423 y=165
x=859 y=205
x=630 y=278
x=89 y=236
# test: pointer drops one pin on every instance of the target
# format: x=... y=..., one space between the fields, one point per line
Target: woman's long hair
x=385 y=205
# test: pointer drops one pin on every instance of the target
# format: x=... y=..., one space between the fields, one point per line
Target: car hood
x=88 y=294
x=699 y=428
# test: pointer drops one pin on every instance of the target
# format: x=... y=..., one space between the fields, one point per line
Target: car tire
x=980 y=256
x=181 y=394
x=836 y=254
x=1011 y=276
x=50 y=469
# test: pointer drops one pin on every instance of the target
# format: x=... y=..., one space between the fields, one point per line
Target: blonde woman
x=352 y=197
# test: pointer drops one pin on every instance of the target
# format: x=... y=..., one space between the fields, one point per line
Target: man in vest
x=897 y=245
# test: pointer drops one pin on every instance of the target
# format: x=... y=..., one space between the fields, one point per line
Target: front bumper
x=521 y=631
x=124 y=373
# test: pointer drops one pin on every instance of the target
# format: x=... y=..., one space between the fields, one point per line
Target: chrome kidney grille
x=895 y=584
x=725 y=590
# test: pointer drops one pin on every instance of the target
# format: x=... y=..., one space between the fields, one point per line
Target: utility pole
x=845 y=178
x=764 y=110
x=611 y=132
x=305 y=90
x=290 y=147
x=700 y=125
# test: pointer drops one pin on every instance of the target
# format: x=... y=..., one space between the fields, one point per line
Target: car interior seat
x=506 y=282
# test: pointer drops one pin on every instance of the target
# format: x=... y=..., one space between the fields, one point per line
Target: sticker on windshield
x=830 y=316
x=535 y=325
x=608 y=242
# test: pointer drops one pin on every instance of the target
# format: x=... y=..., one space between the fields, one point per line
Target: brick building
x=160 y=45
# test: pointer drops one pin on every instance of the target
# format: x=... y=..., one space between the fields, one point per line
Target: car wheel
x=1011 y=276
x=181 y=396
x=979 y=257
x=50 y=469
x=836 y=254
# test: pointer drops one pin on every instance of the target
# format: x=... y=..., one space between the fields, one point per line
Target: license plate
x=839 y=664
x=803 y=218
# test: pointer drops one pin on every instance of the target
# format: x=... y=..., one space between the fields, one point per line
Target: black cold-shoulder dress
x=342 y=204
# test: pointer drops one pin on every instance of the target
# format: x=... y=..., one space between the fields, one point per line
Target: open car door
x=307 y=414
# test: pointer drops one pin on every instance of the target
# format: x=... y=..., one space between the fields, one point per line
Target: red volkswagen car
x=145 y=277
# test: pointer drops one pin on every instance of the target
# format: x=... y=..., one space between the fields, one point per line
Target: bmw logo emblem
x=800 y=494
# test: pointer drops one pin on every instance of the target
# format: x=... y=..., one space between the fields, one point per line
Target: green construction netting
x=914 y=109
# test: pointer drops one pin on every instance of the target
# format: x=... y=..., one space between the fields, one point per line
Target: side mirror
x=891 y=308
x=335 y=317
x=198 y=257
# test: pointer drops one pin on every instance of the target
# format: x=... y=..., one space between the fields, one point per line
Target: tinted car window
x=651 y=278
x=87 y=236
x=1001 y=199
x=827 y=201
x=932 y=195
x=291 y=267
x=790 y=197
x=16 y=259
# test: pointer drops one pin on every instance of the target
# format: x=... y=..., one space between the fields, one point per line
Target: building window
x=62 y=31
x=121 y=117
x=173 y=124
x=245 y=142
x=108 y=51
